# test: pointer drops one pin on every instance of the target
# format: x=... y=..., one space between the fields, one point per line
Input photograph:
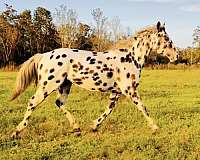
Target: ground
x=171 y=96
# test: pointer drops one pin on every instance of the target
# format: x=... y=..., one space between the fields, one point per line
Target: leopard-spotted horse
x=117 y=71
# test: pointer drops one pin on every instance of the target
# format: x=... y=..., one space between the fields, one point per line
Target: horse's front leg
x=113 y=99
x=129 y=88
x=140 y=106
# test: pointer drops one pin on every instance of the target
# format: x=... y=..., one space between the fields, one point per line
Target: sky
x=180 y=16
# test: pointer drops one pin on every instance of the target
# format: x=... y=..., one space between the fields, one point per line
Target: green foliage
x=8 y=34
x=171 y=96
x=101 y=38
x=67 y=26
x=84 y=40
x=196 y=35
x=192 y=55
x=26 y=43
x=46 y=34
x=22 y=35
x=75 y=34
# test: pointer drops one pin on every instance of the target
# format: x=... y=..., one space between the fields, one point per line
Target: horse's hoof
x=93 y=128
x=15 y=135
x=77 y=131
x=155 y=129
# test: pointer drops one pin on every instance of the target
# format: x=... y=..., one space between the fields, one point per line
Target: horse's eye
x=166 y=38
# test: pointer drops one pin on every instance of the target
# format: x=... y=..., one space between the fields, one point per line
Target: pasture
x=171 y=96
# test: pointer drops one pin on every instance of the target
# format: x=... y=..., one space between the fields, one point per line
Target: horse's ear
x=163 y=27
x=158 y=26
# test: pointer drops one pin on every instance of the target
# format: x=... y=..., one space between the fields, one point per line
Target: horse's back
x=88 y=69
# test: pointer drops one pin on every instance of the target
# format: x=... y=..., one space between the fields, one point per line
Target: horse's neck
x=141 y=49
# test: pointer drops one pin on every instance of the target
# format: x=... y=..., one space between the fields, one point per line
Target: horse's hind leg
x=113 y=98
x=63 y=92
x=38 y=97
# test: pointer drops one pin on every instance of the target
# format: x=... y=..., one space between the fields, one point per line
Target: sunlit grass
x=171 y=96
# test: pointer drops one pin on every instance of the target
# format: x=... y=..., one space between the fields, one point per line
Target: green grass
x=171 y=96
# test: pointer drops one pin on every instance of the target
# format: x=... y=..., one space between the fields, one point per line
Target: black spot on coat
x=51 y=70
x=50 y=77
x=41 y=66
x=64 y=74
x=45 y=83
x=45 y=94
x=109 y=74
x=51 y=56
x=92 y=61
x=75 y=50
x=122 y=59
x=58 y=81
x=88 y=58
x=64 y=55
x=60 y=63
x=57 y=57
x=40 y=77
x=94 y=53
x=123 y=50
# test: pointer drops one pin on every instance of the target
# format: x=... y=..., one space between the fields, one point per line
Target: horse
x=117 y=71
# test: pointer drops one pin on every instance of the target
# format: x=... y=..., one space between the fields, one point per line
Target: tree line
x=25 y=34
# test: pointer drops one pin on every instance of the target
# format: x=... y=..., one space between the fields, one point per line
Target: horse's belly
x=91 y=80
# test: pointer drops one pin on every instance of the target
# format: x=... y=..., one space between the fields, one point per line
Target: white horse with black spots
x=117 y=71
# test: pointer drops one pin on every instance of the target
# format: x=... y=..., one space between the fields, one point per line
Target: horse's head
x=162 y=43
x=144 y=41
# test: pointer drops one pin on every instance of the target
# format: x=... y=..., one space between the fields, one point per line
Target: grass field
x=171 y=96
